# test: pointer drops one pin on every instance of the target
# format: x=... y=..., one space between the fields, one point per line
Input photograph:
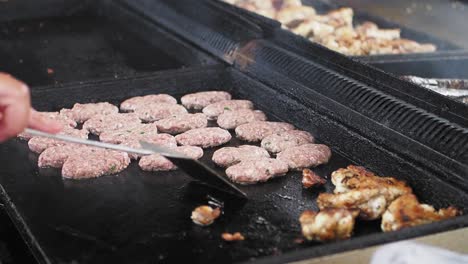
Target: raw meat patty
x=157 y=111
x=56 y=116
x=133 y=103
x=200 y=100
x=137 y=132
x=254 y=171
x=305 y=156
x=55 y=157
x=235 y=118
x=39 y=144
x=182 y=123
x=204 y=137
x=157 y=162
x=258 y=130
x=94 y=162
x=82 y=112
x=229 y=156
x=163 y=140
x=212 y=111
x=103 y=123
x=278 y=142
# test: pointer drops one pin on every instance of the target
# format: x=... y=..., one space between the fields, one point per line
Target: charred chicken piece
x=328 y=224
x=232 y=237
x=357 y=188
x=356 y=177
x=371 y=203
x=205 y=215
x=406 y=211
x=310 y=179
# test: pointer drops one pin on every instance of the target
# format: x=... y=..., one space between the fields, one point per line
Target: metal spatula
x=193 y=168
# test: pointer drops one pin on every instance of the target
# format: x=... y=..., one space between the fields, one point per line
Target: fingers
x=36 y=121
x=14 y=106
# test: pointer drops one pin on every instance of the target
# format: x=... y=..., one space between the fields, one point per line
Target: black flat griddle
x=140 y=217
x=75 y=45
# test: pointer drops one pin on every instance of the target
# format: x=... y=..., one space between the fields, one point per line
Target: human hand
x=16 y=113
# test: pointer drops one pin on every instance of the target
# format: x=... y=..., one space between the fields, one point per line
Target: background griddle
x=140 y=217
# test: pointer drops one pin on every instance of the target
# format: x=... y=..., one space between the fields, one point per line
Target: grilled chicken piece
x=205 y=215
x=287 y=15
x=342 y=17
x=311 y=28
x=357 y=177
x=371 y=30
x=310 y=179
x=406 y=211
x=357 y=188
x=328 y=224
x=370 y=202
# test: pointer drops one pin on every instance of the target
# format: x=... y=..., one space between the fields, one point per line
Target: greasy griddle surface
x=142 y=217
x=75 y=48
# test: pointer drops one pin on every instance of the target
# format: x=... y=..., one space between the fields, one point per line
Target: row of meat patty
x=271 y=148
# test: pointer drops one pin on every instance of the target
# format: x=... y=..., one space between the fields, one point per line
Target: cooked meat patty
x=305 y=156
x=406 y=211
x=229 y=156
x=157 y=111
x=163 y=140
x=328 y=224
x=200 y=100
x=235 y=118
x=278 y=142
x=104 y=123
x=258 y=130
x=204 y=137
x=94 y=162
x=157 y=162
x=311 y=179
x=205 y=215
x=254 y=171
x=182 y=123
x=133 y=103
x=82 y=112
x=137 y=132
x=39 y=144
x=56 y=116
x=212 y=111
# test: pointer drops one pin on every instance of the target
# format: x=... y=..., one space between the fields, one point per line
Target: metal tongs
x=193 y=168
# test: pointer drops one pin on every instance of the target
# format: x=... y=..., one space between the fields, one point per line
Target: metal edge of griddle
x=181 y=18
x=446 y=55
x=264 y=60
x=452 y=67
x=299 y=253
x=29 y=239
x=24 y=9
x=141 y=25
